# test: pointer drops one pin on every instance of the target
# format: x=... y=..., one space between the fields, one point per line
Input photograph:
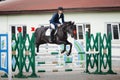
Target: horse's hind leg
x=37 y=46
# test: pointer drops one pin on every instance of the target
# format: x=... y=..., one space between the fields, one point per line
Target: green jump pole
x=109 y=54
x=87 y=55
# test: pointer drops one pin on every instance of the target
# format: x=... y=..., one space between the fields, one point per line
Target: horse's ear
x=73 y=23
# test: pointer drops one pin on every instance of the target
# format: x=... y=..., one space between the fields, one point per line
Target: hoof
x=68 y=54
x=35 y=54
x=62 y=52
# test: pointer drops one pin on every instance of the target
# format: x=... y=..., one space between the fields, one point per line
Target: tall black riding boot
x=52 y=36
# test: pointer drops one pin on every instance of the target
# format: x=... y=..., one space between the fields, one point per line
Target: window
x=81 y=30
x=108 y=28
x=115 y=32
x=114 y=28
x=24 y=31
x=14 y=30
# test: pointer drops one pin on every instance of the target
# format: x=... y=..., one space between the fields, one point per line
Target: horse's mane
x=65 y=24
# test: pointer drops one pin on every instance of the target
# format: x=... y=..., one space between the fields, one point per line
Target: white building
x=97 y=15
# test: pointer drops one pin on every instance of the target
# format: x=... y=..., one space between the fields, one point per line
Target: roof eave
x=91 y=9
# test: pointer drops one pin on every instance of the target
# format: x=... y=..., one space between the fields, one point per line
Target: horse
x=60 y=36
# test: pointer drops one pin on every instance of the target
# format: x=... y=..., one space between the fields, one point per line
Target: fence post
x=110 y=51
x=87 y=71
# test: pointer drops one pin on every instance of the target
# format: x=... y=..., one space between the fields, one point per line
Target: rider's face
x=60 y=11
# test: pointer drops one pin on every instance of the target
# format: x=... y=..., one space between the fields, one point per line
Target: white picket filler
x=45 y=60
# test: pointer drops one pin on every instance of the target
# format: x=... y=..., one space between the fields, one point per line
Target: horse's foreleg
x=64 y=49
x=70 y=48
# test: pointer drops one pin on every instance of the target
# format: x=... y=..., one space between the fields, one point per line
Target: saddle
x=48 y=32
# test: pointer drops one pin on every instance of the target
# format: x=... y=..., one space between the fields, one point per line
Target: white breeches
x=52 y=26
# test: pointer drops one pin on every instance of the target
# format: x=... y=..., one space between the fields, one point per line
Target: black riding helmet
x=60 y=8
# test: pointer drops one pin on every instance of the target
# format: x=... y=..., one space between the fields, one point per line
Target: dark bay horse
x=60 y=36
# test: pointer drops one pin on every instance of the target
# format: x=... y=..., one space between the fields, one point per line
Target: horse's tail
x=36 y=32
x=37 y=35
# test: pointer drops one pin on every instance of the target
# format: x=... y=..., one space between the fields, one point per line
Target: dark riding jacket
x=55 y=19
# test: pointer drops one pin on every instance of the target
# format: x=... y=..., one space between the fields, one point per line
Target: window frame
x=118 y=26
x=78 y=25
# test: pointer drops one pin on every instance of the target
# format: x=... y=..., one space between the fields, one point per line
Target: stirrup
x=51 y=40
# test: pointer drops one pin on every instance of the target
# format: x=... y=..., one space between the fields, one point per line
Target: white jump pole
x=9 y=56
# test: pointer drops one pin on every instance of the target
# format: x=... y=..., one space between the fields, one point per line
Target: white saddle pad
x=47 y=33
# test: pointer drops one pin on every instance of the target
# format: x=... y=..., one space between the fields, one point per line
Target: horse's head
x=69 y=27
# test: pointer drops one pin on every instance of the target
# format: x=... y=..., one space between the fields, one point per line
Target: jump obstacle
x=98 y=55
x=22 y=53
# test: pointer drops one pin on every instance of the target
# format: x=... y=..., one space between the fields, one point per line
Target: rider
x=54 y=21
